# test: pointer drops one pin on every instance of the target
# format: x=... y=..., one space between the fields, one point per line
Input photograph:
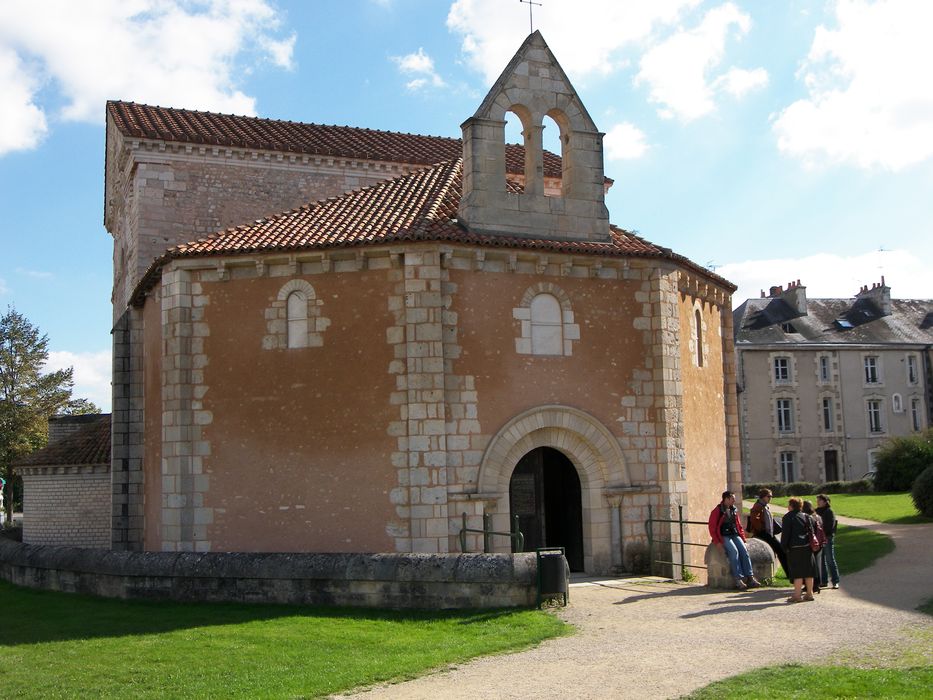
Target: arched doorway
x=544 y=492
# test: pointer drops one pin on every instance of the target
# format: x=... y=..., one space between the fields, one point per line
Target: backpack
x=755 y=522
x=818 y=528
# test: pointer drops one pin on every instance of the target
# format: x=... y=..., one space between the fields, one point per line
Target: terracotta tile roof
x=421 y=206
x=89 y=444
x=187 y=126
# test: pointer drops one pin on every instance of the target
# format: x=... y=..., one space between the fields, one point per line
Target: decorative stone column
x=185 y=518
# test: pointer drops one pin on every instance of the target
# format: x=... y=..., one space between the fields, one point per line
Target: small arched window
x=698 y=335
x=547 y=336
x=297 y=315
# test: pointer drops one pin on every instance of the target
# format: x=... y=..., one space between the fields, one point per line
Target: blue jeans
x=829 y=560
x=739 y=561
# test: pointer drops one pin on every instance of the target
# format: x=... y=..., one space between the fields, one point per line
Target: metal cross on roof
x=531 y=26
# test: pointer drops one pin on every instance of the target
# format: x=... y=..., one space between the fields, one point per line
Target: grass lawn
x=795 y=681
x=856 y=549
x=895 y=508
x=61 y=645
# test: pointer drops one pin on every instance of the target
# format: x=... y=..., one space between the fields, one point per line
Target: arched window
x=547 y=336
x=297 y=315
x=698 y=335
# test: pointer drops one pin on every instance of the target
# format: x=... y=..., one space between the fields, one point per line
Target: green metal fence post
x=487 y=528
x=463 y=534
x=683 y=552
x=650 y=542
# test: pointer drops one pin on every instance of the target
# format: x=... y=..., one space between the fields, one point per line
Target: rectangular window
x=781 y=370
x=788 y=466
x=785 y=415
x=871 y=369
x=874 y=416
x=824 y=369
x=912 y=375
x=828 y=415
x=915 y=418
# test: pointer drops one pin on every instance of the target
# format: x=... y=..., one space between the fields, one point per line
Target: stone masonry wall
x=162 y=194
x=414 y=581
x=127 y=433
x=67 y=506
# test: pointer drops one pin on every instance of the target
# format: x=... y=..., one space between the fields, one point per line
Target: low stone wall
x=719 y=574
x=416 y=581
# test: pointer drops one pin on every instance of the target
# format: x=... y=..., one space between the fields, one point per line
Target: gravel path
x=651 y=639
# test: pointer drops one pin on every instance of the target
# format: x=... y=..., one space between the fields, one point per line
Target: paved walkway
x=651 y=639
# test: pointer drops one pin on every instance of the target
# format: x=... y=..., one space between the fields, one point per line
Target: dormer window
x=788 y=328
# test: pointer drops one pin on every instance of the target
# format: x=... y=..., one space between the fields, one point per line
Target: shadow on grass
x=34 y=616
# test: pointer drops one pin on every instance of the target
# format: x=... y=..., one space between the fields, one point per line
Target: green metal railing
x=682 y=541
x=516 y=536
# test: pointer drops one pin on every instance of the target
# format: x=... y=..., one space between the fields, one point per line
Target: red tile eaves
x=421 y=206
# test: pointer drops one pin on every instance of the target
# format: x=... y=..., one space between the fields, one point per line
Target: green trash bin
x=553 y=574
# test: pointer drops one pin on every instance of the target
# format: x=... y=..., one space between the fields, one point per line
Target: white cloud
x=586 y=34
x=833 y=276
x=677 y=71
x=3 y=288
x=35 y=274
x=419 y=64
x=870 y=97
x=92 y=371
x=22 y=123
x=738 y=81
x=171 y=52
x=625 y=141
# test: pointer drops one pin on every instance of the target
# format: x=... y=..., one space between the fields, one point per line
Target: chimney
x=63 y=426
x=796 y=297
x=879 y=294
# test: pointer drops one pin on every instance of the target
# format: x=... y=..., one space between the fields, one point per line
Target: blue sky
x=773 y=141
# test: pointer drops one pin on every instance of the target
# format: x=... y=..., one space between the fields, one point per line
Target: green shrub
x=901 y=460
x=860 y=486
x=751 y=490
x=833 y=487
x=922 y=492
x=800 y=488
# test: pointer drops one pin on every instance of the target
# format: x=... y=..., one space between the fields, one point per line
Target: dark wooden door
x=545 y=494
x=831 y=462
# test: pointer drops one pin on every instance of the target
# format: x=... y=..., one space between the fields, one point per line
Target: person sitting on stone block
x=727 y=533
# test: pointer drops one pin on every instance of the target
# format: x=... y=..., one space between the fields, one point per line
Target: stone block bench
x=719 y=574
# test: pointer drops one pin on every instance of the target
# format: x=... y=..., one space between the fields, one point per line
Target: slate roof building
x=338 y=339
x=824 y=382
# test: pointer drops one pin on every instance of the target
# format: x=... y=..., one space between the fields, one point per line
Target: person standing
x=829 y=549
x=761 y=525
x=726 y=531
x=795 y=531
x=816 y=524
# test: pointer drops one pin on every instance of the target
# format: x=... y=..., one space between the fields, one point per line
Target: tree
x=901 y=459
x=27 y=396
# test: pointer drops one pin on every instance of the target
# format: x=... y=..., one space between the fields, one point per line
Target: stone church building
x=336 y=339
